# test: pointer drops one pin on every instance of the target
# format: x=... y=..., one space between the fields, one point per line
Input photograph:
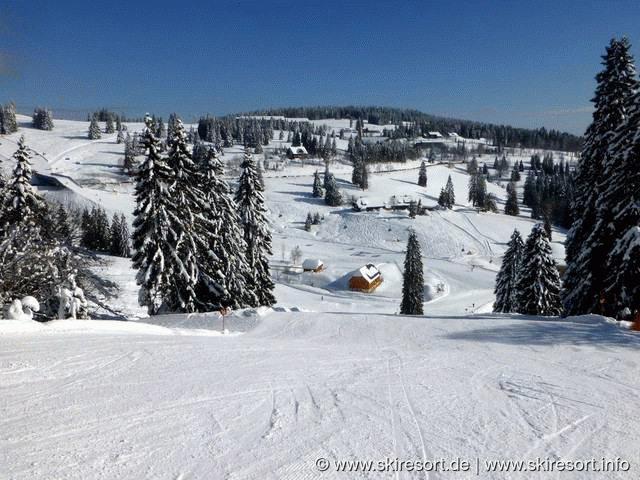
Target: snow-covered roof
x=312 y=263
x=298 y=150
x=369 y=272
x=435 y=134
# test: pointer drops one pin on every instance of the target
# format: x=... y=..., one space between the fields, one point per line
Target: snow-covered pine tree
x=477 y=190
x=94 y=129
x=21 y=203
x=171 y=124
x=308 y=222
x=539 y=283
x=511 y=205
x=585 y=278
x=8 y=123
x=129 y=155
x=364 y=174
x=62 y=225
x=125 y=237
x=619 y=214
x=87 y=237
x=623 y=290
x=115 y=236
x=507 y=278
x=332 y=195
x=442 y=198
x=449 y=193
x=223 y=269
x=108 y=127
x=317 y=185
x=100 y=223
x=356 y=157
x=422 y=175
x=253 y=222
x=161 y=131
x=412 y=278
x=151 y=223
x=326 y=176
x=42 y=119
x=183 y=213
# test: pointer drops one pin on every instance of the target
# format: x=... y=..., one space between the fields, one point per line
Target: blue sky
x=523 y=63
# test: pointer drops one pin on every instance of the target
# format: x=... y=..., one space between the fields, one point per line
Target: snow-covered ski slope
x=327 y=373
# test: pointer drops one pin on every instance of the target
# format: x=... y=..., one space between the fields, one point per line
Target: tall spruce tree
x=253 y=222
x=412 y=278
x=62 y=226
x=619 y=215
x=317 y=185
x=8 y=123
x=478 y=190
x=125 y=237
x=332 y=195
x=422 y=175
x=447 y=196
x=539 y=284
x=94 y=128
x=21 y=204
x=507 y=279
x=623 y=286
x=585 y=278
x=151 y=223
x=115 y=236
x=42 y=119
x=511 y=205
x=223 y=268
x=449 y=193
x=183 y=212
x=108 y=127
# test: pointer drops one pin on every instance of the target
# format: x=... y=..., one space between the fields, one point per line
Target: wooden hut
x=313 y=265
x=366 y=279
x=297 y=152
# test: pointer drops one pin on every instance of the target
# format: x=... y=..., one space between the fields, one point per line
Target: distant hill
x=418 y=123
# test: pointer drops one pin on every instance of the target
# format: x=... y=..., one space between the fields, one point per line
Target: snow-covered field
x=327 y=373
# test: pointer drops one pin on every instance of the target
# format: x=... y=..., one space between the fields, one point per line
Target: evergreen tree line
x=603 y=244
x=8 y=123
x=528 y=281
x=255 y=133
x=548 y=165
x=413 y=123
x=359 y=157
x=380 y=152
x=99 y=235
x=37 y=250
x=113 y=123
x=549 y=196
x=224 y=132
x=478 y=194
x=196 y=248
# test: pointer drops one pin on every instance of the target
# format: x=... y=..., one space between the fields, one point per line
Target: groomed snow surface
x=327 y=374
